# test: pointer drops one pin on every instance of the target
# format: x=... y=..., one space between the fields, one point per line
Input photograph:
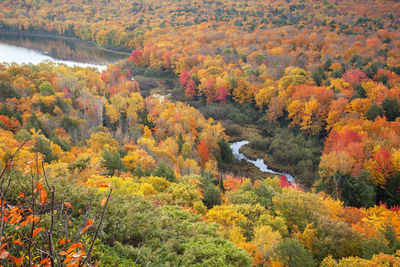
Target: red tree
x=354 y=77
x=185 y=79
x=222 y=94
x=135 y=55
x=203 y=152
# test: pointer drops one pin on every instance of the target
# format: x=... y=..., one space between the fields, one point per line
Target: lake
x=30 y=49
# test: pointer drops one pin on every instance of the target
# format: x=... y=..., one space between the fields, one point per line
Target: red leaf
x=18 y=261
x=68 y=205
x=88 y=225
x=43 y=196
x=63 y=241
x=17 y=242
x=45 y=261
x=36 y=231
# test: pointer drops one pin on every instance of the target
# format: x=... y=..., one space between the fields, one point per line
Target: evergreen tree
x=374 y=111
x=112 y=161
x=391 y=107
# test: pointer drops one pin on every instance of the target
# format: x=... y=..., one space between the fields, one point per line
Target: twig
x=50 y=232
x=45 y=176
x=33 y=220
x=97 y=230
x=86 y=217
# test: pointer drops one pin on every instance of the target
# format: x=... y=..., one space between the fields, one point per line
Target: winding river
x=259 y=163
x=34 y=50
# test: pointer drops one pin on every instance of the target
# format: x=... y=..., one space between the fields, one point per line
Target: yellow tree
x=266 y=241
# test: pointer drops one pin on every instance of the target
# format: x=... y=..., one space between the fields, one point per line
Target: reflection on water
x=28 y=49
x=259 y=163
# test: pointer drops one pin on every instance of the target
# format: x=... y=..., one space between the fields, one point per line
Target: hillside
x=132 y=166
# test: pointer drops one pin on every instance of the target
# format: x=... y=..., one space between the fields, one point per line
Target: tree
x=180 y=142
x=292 y=253
x=46 y=89
x=43 y=146
x=318 y=75
x=380 y=166
x=208 y=90
x=225 y=157
x=203 y=151
x=357 y=192
x=222 y=95
x=266 y=241
x=112 y=161
x=7 y=91
x=354 y=77
x=391 y=108
x=166 y=172
x=211 y=194
x=244 y=92
x=187 y=82
x=374 y=111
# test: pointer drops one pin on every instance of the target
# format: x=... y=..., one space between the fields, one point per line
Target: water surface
x=259 y=163
x=28 y=49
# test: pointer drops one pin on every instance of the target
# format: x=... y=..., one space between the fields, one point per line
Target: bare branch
x=97 y=230
x=45 y=176
x=50 y=232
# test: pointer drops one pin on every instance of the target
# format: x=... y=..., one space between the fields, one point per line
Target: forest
x=99 y=169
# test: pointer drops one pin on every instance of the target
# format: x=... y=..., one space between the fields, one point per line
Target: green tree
x=225 y=157
x=318 y=75
x=165 y=171
x=374 y=111
x=357 y=192
x=180 y=142
x=391 y=107
x=7 y=91
x=292 y=253
x=112 y=161
x=43 y=146
x=211 y=193
x=46 y=89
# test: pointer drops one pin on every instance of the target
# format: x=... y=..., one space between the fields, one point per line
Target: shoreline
x=117 y=50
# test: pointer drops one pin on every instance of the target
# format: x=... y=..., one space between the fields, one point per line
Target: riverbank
x=254 y=154
x=257 y=162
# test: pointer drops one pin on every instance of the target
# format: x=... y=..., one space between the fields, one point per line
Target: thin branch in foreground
x=50 y=232
x=97 y=231
x=45 y=176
